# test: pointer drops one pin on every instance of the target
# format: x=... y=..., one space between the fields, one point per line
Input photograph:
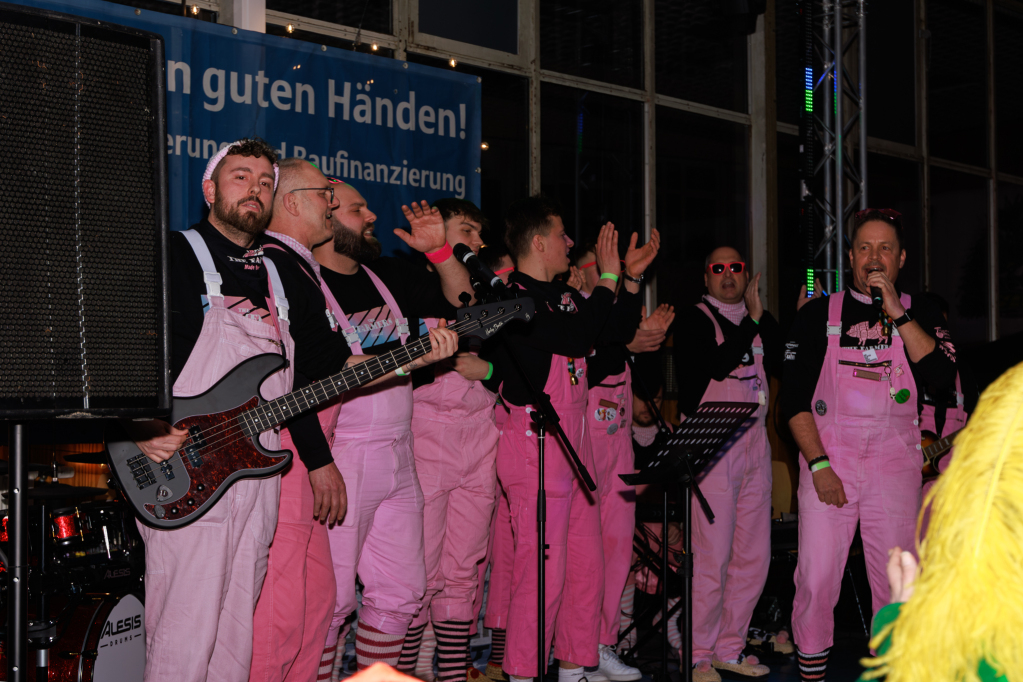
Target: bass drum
x=103 y=640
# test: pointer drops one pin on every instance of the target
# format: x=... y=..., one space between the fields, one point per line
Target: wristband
x=490 y=372
x=820 y=465
x=822 y=458
x=755 y=321
x=441 y=254
x=608 y=275
x=400 y=372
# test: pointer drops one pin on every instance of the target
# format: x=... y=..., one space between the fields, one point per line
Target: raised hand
x=646 y=341
x=427 y=227
x=803 y=298
x=661 y=318
x=607 y=251
x=892 y=304
x=637 y=260
x=575 y=278
x=754 y=305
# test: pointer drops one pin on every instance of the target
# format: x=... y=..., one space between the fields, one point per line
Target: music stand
x=685 y=454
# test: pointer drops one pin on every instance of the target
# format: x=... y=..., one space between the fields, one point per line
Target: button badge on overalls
x=611 y=430
x=821 y=407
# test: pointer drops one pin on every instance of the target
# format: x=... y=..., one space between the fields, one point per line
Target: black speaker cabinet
x=84 y=314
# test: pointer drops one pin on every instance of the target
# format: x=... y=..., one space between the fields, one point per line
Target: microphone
x=876 y=298
x=477 y=269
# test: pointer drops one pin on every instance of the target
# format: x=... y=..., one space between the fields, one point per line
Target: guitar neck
x=279 y=410
x=939 y=446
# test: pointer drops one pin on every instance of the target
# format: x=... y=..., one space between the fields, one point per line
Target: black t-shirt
x=699 y=359
x=417 y=292
x=565 y=324
x=808 y=343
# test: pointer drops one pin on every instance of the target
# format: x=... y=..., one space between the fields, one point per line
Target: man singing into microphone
x=853 y=378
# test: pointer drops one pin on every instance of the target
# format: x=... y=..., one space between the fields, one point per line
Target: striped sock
x=627 y=609
x=813 y=666
x=326 y=664
x=410 y=649
x=498 y=636
x=452 y=642
x=424 y=664
x=373 y=646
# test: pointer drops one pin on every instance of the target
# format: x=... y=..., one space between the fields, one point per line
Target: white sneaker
x=612 y=667
x=593 y=674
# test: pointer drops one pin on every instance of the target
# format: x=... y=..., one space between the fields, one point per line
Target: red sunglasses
x=718 y=268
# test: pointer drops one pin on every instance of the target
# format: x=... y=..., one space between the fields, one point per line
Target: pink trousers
x=732 y=555
x=881 y=476
x=502 y=558
x=202 y=583
x=295 y=607
x=574 y=584
x=456 y=465
x=381 y=537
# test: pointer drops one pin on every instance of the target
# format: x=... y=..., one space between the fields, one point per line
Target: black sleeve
x=622 y=323
x=570 y=335
x=422 y=290
x=804 y=357
x=693 y=343
x=774 y=353
x=186 y=292
x=311 y=444
x=936 y=371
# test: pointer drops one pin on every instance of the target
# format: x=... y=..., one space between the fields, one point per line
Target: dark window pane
x=369 y=15
x=791 y=242
x=959 y=262
x=592 y=160
x=1008 y=97
x=332 y=41
x=700 y=52
x=891 y=71
x=598 y=39
x=1010 y=259
x=164 y=7
x=789 y=53
x=505 y=126
x=957 y=80
x=493 y=24
x=895 y=183
x=702 y=198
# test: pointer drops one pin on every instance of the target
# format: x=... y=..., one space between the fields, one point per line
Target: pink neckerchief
x=733 y=312
x=645 y=435
x=298 y=248
x=862 y=298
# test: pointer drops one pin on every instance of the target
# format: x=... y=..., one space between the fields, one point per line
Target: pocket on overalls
x=901 y=478
x=219 y=512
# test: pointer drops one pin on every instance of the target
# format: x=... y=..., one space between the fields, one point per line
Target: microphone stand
x=543 y=416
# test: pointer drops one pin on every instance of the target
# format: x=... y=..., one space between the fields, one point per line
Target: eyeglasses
x=718 y=268
x=889 y=213
x=330 y=199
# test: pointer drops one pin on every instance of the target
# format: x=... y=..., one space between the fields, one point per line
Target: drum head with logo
x=121 y=650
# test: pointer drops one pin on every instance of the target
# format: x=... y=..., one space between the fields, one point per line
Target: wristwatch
x=632 y=279
x=899 y=321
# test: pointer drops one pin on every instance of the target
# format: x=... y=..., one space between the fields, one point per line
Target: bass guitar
x=934 y=449
x=224 y=424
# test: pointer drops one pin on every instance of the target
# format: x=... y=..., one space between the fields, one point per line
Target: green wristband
x=755 y=321
x=608 y=275
x=820 y=465
x=490 y=372
x=400 y=372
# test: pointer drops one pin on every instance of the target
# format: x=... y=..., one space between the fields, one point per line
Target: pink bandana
x=212 y=165
x=733 y=312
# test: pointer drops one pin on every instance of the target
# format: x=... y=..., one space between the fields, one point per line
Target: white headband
x=219 y=156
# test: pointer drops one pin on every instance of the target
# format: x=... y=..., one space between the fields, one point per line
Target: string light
x=290 y=28
x=195 y=9
x=485 y=146
x=452 y=63
x=374 y=47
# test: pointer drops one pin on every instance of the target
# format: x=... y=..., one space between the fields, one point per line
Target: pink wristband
x=441 y=254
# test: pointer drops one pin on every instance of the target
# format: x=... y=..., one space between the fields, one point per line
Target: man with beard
x=227 y=304
x=553 y=352
x=854 y=375
x=378 y=310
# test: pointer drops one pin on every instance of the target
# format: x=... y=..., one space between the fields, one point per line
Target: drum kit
x=86 y=618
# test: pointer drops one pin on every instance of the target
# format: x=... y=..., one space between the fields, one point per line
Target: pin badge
x=821 y=407
x=611 y=430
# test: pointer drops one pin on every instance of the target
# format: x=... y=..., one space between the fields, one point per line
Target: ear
x=209 y=190
x=902 y=259
x=290 y=203
x=706 y=279
x=538 y=243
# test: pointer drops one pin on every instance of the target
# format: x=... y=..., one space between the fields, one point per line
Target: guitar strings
x=233 y=431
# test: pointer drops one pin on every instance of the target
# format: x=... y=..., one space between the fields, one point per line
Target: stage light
x=484 y=146
x=374 y=47
x=453 y=63
x=290 y=28
x=809 y=88
x=195 y=9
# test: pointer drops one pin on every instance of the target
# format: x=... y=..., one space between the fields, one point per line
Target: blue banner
x=398 y=132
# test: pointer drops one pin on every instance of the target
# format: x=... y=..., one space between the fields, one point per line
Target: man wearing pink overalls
x=552 y=352
x=726 y=347
x=378 y=304
x=853 y=381
x=227 y=304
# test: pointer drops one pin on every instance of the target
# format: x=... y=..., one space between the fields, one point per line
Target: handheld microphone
x=876 y=298
x=476 y=268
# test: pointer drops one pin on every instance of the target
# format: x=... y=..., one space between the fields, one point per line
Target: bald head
x=303 y=203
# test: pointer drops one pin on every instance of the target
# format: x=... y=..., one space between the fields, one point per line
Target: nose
x=334 y=204
x=371 y=217
x=569 y=240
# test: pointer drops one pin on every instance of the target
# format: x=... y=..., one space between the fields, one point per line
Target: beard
x=355 y=245
x=253 y=224
x=645 y=419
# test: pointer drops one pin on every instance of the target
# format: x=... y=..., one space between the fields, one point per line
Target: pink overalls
x=873 y=443
x=456 y=451
x=609 y=419
x=500 y=550
x=297 y=602
x=955 y=419
x=731 y=556
x=574 y=585
x=202 y=581
x=381 y=537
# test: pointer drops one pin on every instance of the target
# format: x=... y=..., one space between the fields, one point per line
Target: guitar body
x=217 y=453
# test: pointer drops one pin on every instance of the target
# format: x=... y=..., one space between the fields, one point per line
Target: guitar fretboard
x=939 y=446
x=279 y=410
